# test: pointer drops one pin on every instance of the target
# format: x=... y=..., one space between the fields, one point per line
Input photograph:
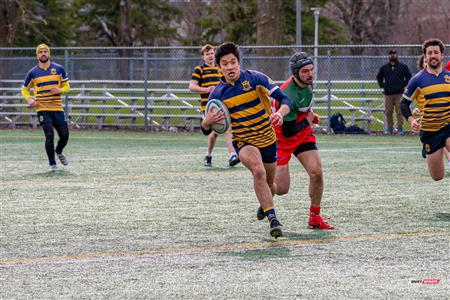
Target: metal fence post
x=329 y=89
x=66 y=98
x=145 y=89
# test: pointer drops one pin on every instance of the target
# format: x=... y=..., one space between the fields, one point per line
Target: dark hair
x=420 y=62
x=225 y=49
x=206 y=48
x=433 y=42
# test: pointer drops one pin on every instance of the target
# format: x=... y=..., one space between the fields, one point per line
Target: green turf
x=136 y=215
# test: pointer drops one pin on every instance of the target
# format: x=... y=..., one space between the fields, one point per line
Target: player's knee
x=281 y=190
x=316 y=174
x=64 y=137
x=437 y=177
x=49 y=134
x=259 y=173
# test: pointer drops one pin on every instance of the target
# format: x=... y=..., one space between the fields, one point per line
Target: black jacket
x=393 y=78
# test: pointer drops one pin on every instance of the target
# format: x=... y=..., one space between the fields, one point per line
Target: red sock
x=314 y=210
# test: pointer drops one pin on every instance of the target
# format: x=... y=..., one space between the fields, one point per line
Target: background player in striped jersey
x=204 y=78
x=430 y=88
x=48 y=81
x=246 y=94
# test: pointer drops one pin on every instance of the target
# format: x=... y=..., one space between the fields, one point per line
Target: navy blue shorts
x=52 y=117
x=434 y=140
x=269 y=153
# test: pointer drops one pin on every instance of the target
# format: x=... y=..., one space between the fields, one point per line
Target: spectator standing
x=393 y=78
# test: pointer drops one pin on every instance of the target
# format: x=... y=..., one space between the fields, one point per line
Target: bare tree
x=9 y=18
x=367 y=21
x=269 y=31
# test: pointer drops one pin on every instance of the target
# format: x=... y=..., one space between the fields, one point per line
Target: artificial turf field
x=137 y=216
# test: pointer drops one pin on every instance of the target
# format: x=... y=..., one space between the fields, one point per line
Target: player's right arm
x=196 y=88
x=194 y=84
x=31 y=100
x=410 y=93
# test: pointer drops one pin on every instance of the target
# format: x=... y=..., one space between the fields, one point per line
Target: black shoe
x=234 y=160
x=275 y=228
x=260 y=214
x=207 y=161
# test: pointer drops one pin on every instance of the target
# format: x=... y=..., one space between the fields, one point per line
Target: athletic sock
x=270 y=213
x=314 y=210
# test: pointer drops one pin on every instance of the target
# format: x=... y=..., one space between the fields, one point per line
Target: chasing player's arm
x=285 y=107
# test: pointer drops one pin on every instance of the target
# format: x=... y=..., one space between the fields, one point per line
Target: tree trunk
x=9 y=16
x=125 y=38
x=269 y=30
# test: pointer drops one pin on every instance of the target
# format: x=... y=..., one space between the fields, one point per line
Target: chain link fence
x=147 y=87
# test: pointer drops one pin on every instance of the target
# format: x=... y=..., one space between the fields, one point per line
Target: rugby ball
x=213 y=105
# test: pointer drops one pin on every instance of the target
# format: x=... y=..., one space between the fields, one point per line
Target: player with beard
x=295 y=137
x=430 y=88
x=49 y=81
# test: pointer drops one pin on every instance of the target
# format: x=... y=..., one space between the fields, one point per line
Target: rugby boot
x=318 y=222
x=207 y=161
x=234 y=160
x=275 y=228
x=260 y=214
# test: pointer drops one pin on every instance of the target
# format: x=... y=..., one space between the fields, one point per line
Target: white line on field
x=208 y=249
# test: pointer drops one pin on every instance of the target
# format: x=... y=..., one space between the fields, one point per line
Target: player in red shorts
x=296 y=137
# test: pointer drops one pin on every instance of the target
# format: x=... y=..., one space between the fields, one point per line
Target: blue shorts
x=434 y=140
x=52 y=117
x=269 y=153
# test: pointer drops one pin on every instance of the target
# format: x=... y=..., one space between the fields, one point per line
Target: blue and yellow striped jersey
x=206 y=76
x=249 y=105
x=42 y=81
x=432 y=94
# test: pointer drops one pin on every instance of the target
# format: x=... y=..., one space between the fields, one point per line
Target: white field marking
x=372 y=149
x=200 y=138
x=115 y=138
x=74 y=159
x=177 y=154
x=208 y=249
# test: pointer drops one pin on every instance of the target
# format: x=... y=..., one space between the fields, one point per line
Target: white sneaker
x=52 y=168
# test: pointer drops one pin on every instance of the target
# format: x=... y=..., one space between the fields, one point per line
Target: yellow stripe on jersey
x=241 y=99
x=264 y=96
x=47 y=78
x=435 y=88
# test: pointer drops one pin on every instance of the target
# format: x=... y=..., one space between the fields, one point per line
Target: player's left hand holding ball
x=212 y=117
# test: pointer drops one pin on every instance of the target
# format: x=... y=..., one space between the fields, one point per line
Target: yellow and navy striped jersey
x=248 y=102
x=432 y=94
x=42 y=81
x=206 y=76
